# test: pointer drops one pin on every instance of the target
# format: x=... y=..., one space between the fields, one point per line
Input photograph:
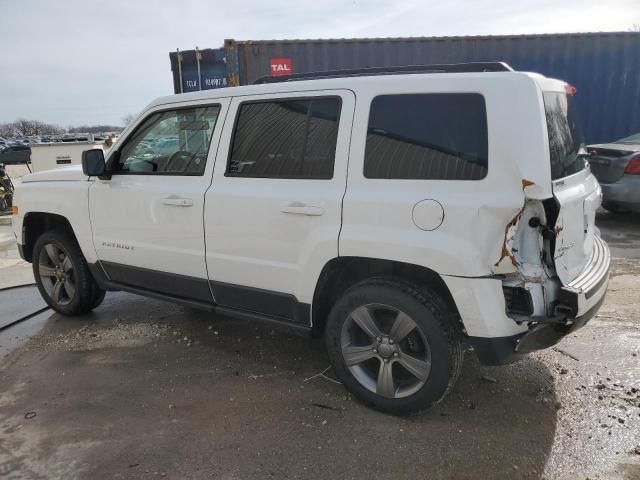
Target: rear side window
x=565 y=136
x=285 y=139
x=427 y=137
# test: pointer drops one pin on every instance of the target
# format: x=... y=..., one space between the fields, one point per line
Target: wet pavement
x=146 y=389
x=621 y=232
x=16 y=301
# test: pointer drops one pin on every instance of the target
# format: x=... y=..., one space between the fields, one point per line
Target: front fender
x=69 y=199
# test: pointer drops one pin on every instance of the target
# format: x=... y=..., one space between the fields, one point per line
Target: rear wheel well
x=35 y=224
x=341 y=273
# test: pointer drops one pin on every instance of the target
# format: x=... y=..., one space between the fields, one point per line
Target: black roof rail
x=360 y=72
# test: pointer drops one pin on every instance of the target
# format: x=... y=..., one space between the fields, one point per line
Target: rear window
x=565 y=136
x=439 y=136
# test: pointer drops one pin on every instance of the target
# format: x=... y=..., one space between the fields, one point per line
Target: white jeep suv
x=401 y=215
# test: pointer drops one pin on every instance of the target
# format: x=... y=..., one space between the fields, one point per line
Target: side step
x=210 y=307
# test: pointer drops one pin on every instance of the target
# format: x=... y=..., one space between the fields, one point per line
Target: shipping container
x=195 y=70
x=604 y=67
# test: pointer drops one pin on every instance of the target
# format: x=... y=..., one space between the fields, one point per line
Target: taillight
x=633 y=167
x=569 y=89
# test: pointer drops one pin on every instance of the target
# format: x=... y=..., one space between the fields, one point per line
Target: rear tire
x=63 y=276
x=396 y=348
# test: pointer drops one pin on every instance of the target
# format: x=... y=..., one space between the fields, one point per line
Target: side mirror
x=93 y=162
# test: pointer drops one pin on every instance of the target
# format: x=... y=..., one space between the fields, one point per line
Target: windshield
x=565 y=137
x=632 y=140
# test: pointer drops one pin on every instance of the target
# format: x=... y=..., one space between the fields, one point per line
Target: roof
x=329 y=84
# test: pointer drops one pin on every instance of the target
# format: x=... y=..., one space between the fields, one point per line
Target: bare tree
x=7 y=130
x=635 y=27
x=129 y=118
x=94 y=129
x=26 y=128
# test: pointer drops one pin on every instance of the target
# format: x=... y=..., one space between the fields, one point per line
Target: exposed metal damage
x=509 y=235
x=510 y=231
x=527 y=244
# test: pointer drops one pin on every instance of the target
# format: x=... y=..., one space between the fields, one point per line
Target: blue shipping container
x=604 y=67
x=195 y=70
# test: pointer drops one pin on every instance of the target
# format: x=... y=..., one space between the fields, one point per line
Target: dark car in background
x=616 y=165
x=15 y=154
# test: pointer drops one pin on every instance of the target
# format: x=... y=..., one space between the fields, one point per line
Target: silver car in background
x=616 y=165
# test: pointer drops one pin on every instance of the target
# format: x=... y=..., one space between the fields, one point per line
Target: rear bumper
x=506 y=350
x=579 y=296
x=623 y=194
x=579 y=302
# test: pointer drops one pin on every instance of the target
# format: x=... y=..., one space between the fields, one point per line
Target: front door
x=147 y=219
x=275 y=206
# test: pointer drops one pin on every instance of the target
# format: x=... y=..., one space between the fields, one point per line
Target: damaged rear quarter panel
x=520 y=243
x=506 y=252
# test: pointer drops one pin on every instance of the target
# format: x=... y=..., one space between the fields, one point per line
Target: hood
x=62 y=174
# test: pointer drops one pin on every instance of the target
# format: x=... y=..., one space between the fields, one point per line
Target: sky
x=72 y=62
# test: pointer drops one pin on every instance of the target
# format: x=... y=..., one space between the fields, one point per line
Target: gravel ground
x=145 y=389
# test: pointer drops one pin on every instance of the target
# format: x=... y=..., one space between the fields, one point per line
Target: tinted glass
x=565 y=137
x=427 y=137
x=173 y=142
x=286 y=139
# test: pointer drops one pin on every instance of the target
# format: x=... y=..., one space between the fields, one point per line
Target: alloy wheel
x=57 y=274
x=385 y=350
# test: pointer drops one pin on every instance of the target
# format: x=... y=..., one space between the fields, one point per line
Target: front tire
x=63 y=276
x=394 y=347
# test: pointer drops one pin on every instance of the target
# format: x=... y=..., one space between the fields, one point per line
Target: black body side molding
x=236 y=301
x=180 y=286
x=275 y=304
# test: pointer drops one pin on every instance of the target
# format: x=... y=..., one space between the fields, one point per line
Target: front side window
x=565 y=136
x=174 y=142
x=285 y=139
x=439 y=136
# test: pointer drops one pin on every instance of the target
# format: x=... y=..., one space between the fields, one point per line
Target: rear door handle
x=298 y=208
x=177 y=201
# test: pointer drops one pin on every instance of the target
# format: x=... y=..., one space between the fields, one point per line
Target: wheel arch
x=341 y=273
x=35 y=224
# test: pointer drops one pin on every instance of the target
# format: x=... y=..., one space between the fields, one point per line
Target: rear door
x=274 y=209
x=574 y=187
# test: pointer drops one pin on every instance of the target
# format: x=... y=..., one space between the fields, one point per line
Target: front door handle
x=177 y=201
x=299 y=208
